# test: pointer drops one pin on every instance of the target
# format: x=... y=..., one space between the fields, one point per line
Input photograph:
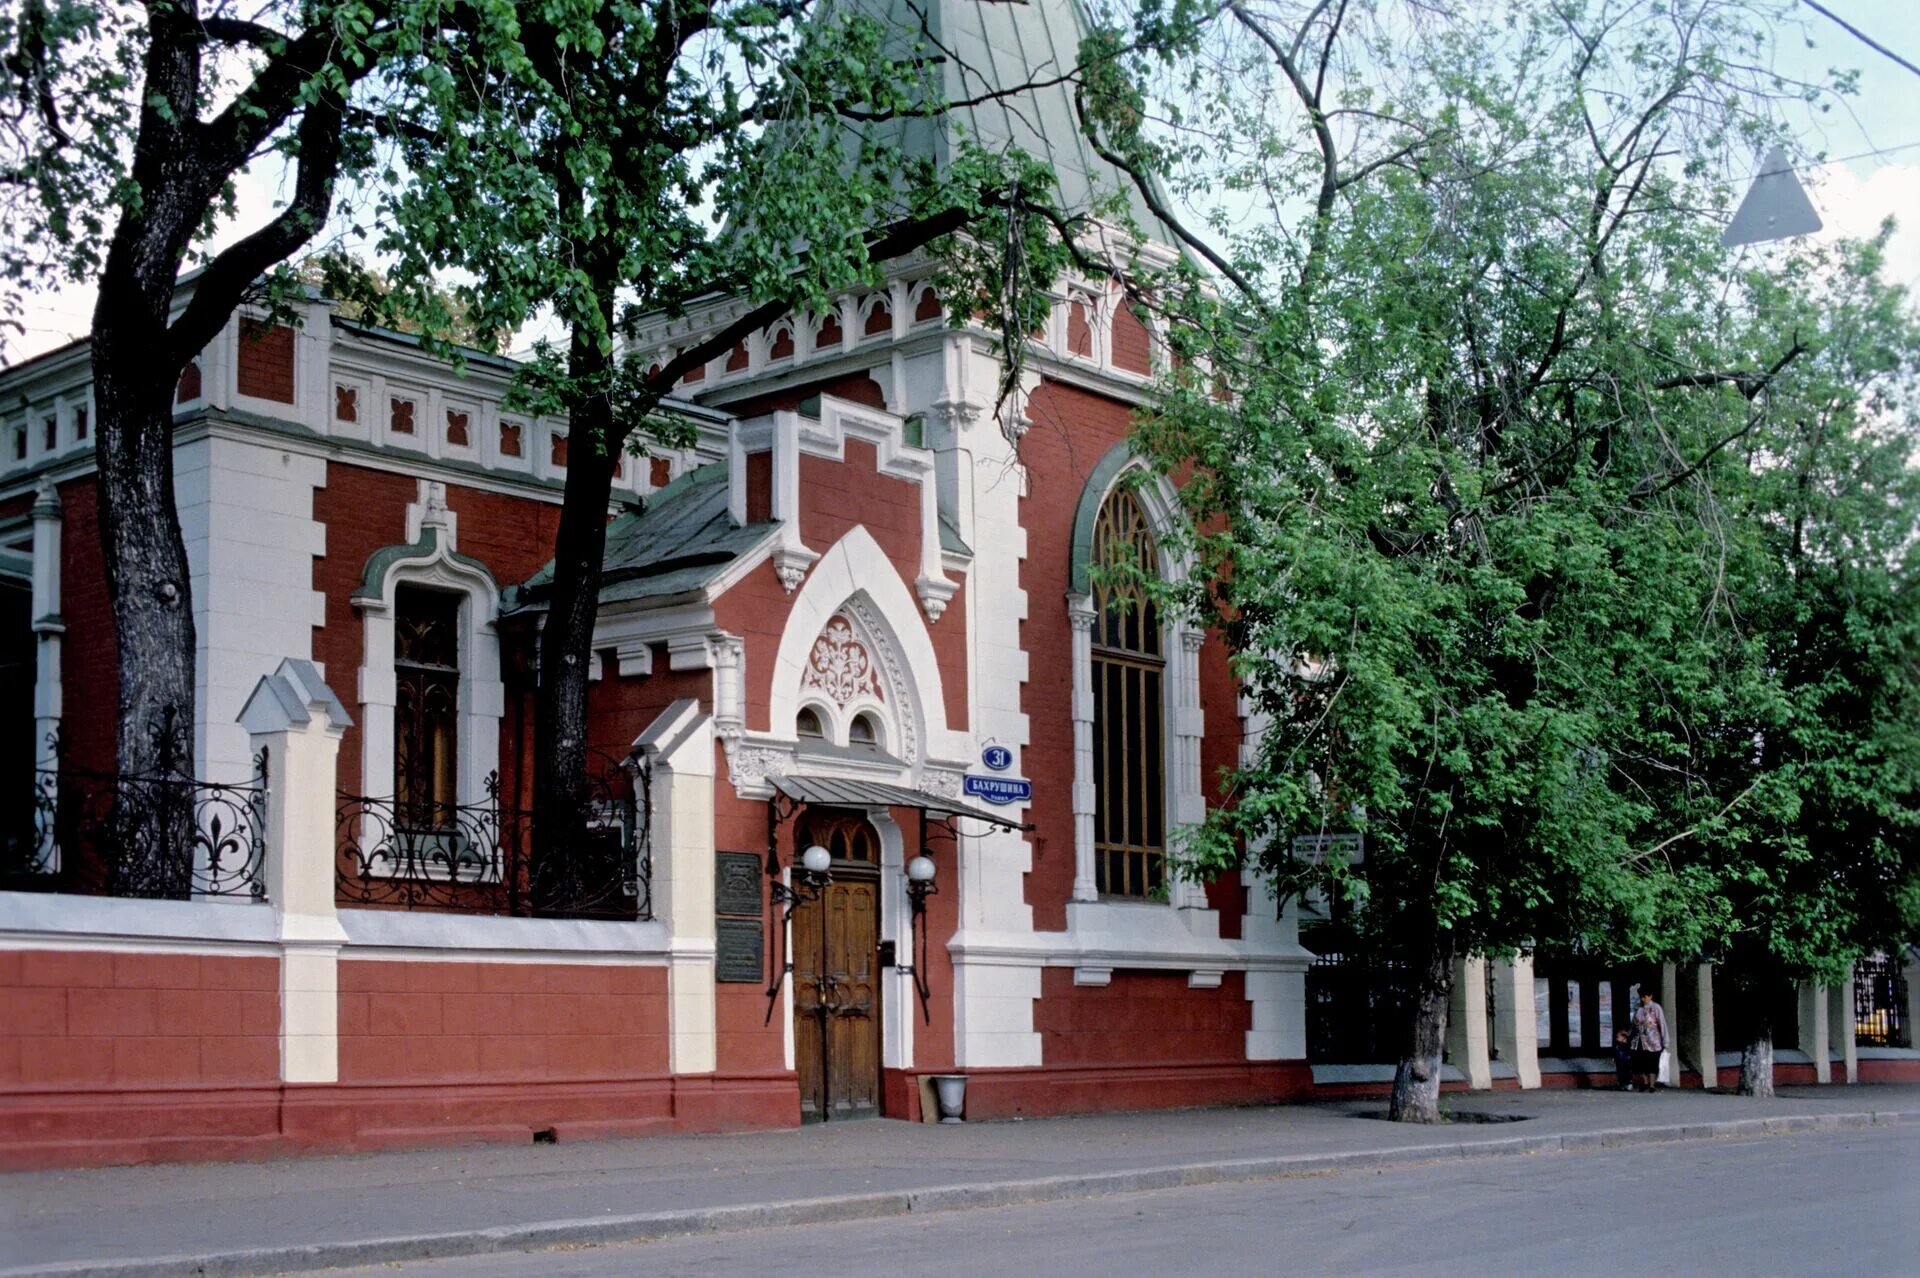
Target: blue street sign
x=1001 y=790
x=997 y=757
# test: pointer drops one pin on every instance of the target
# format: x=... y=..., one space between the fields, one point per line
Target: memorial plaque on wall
x=736 y=884
x=738 y=956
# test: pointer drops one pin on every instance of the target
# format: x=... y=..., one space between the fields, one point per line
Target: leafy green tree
x=128 y=126
x=358 y=290
x=1451 y=427
x=585 y=174
x=1819 y=864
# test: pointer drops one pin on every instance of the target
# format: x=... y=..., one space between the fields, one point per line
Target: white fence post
x=678 y=746
x=1467 y=1022
x=1842 y=1034
x=1813 y=1029
x=1695 y=1023
x=295 y=717
x=1513 y=1018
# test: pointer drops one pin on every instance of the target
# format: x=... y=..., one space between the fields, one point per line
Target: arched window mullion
x=1129 y=671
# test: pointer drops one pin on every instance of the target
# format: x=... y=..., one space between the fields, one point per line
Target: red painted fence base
x=1034 y=1093
x=111 y=1126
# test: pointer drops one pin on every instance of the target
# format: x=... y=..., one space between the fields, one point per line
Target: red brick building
x=857 y=614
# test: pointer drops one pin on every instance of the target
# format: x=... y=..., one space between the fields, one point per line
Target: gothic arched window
x=848 y=834
x=1129 y=668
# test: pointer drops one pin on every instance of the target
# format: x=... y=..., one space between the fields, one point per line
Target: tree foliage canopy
x=1564 y=553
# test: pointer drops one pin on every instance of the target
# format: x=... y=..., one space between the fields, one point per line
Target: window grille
x=1879 y=1001
x=426 y=661
x=1129 y=670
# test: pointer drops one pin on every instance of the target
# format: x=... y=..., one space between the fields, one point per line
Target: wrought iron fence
x=160 y=834
x=480 y=858
x=1879 y=1002
x=1358 y=1012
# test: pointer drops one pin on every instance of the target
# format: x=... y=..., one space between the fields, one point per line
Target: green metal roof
x=987 y=47
x=680 y=542
x=676 y=545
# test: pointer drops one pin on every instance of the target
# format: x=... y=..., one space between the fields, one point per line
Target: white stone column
x=48 y=628
x=1693 y=1023
x=678 y=748
x=1082 y=616
x=1187 y=728
x=295 y=717
x=1278 y=995
x=1813 y=1030
x=1467 y=1023
x=1514 y=1018
x=1842 y=1044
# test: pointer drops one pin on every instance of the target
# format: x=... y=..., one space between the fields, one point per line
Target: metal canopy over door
x=836 y=947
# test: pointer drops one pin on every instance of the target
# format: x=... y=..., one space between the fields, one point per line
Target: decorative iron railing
x=1879 y=1002
x=160 y=834
x=481 y=858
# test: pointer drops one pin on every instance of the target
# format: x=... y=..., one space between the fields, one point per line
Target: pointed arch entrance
x=836 y=971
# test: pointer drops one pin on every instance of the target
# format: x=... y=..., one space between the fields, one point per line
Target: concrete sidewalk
x=257 y=1218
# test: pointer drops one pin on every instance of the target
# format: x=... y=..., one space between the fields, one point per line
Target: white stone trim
x=293 y=714
x=1277 y=998
x=688 y=632
x=1081 y=616
x=1105 y=936
x=48 y=632
x=857 y=573
x=789 y=435
x=893 y=711
x=482 y=693
x=52 y=921
x=778 y=435
x=246 y=518
x=899 y=1003
x=424 y=935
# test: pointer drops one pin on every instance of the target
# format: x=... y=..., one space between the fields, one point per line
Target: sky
x=1872 y=143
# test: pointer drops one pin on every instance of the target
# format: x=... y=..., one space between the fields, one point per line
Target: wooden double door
x=836 y=976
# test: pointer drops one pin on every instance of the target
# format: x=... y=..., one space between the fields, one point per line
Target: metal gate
x=1879 y=999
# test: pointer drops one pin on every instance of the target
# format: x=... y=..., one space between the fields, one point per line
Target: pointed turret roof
x=1013 y=62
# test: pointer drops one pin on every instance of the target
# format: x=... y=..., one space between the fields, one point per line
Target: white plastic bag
x=1666 y=1069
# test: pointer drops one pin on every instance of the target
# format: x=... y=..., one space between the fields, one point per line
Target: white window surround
x=1180 y=688
x=429 y=558
x=901 y=754
x=855 y=578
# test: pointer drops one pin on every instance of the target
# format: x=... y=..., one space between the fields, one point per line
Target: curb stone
x=647 y=1226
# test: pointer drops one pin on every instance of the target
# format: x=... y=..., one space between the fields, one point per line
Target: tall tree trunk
x=1756 y=1066
x=135 y=370
x=1416 y=1084
x=148 y=584
x=566 y=642
x=179 y=164
x=1756 y=1058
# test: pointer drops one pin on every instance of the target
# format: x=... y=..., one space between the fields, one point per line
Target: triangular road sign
x=1776 y=206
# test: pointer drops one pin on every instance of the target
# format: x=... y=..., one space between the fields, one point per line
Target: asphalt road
x=1842 y=1203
